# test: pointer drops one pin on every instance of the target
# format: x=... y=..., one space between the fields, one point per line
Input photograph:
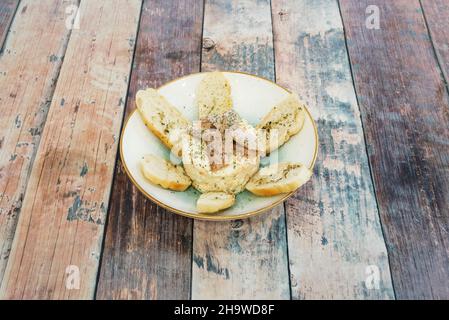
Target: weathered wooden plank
x=7 y=11
x=404 y=108
x=436 y=13
x=244 y=258
x=60 y=229
x=334 y=233
x=147 y=251
x=29 y=66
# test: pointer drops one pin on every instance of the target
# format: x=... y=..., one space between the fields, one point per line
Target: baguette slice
x=282 y=122
x=213 y=95
x=163 y=119
x=214 y=201
x=279 y=178
x=165 y=174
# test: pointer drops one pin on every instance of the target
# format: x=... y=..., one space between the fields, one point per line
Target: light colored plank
x=334 y=233
x=405 y=112
x=29 y=66
x=244 y=259
x=436 y=13
x=64 y=209
x=156 y=244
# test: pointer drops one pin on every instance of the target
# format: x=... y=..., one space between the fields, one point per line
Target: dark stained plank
x=60 y=228
x=436 y=13
x=7 y=11
x=29 y=66
x=404 y=108
x=147 y=251
x=243 y=259
x=334 y=232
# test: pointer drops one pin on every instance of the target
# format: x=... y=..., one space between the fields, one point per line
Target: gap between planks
x=404 y=106
x=66 y=212
x=8 y=9
x=334 y=231
x=27 y=107
x=147 y=251
x=437 y=16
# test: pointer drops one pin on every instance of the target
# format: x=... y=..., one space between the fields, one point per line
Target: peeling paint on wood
x=85 y=211
x=334 y=233
x=244 y=259
x=404 y=106
x=23 y=91
x=84 y=169
x=66 y=227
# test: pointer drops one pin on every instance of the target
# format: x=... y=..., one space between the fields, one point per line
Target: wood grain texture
x=334 y=233
x=7 y=11
x=29 y=67
x=64 y=208
x=147 y=252
x=243 y=259
x=405 y=111
x=436 y=13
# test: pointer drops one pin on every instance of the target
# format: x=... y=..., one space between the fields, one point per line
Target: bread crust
x=278 y=178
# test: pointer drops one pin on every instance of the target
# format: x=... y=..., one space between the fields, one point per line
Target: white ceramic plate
x=253 y=98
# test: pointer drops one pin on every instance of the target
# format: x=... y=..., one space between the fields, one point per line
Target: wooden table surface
x=372 y=224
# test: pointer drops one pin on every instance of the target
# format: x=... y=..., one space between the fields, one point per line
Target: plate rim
x=201 y=216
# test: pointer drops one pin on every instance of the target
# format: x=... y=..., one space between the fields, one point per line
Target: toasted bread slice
x=213 y=95
x=165 y=174
x=214 y=201
x=279 y=178
x=283 y=121
x=163 y=119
